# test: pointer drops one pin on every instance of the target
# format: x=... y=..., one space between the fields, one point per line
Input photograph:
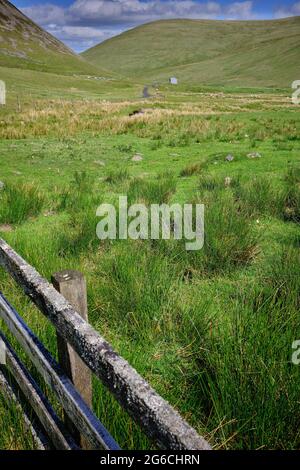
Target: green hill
x=238 y=53
x=23 y=44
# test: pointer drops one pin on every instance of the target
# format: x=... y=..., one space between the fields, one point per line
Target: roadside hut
x=173 y=81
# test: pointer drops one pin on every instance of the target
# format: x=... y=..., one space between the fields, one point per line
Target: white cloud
x=136 y=11
x=240 y=10
x=80 y=37
x=284 y=12
x=103 y=12
x=45 y=14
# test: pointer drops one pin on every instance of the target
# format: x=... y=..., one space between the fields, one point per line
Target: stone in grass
x=99 y=162
x=5 y=228
x=229 y=158
x=2 y=185
x=137 y=158
x=49 y=213
x=227 y=181
x=254 y=155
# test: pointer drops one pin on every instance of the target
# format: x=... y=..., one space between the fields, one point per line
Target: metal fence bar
x=40 y=441
x=78 y=411
x=54 y=427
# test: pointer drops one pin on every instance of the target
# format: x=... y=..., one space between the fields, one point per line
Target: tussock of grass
x=114 y=177
x=19 y=202
x=80 y=200
x=247 y=380
x=208 y=182
x=229 y=237
x=136 y=285
x=258 y=196
x=230 y=240
x=78 y=193
x=152 y=192
x=290 y=200
x=192 y=169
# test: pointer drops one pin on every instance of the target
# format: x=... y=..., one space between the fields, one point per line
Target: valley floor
x=212 y=331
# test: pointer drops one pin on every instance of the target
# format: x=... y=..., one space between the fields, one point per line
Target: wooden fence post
x=72 y=285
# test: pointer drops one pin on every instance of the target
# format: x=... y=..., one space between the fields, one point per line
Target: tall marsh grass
x=290 y=200
x=19 y=202
x=117 y=176
x=158 y=191
x=248 y=382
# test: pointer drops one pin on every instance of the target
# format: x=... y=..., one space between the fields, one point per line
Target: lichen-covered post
x=72 y=285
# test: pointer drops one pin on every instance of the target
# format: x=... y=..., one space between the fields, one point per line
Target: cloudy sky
x=84 y=23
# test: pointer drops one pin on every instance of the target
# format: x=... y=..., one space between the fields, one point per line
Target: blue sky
x=84 y=23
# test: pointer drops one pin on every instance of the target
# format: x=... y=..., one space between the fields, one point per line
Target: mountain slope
x=242 y=53
x=23 y=44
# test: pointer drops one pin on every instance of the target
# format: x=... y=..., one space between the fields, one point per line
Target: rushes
x=257 y=197
x=248 y=381
x=230 y=240
x=19 y=202
x=290 y=200
x=114 y=177
x=192 y=169
x=152 y=192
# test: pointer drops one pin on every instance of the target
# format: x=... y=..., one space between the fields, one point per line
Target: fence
x=81 y=350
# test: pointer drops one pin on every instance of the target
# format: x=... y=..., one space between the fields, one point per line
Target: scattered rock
x=188 y=275
x=146 y=93
x=229 y=158
x=227 y=181
x=2 y=185
x=6 y=228
x=136 y=112
x=49 y=213
x=254 y=155
x=18 y=173
x=99 y=162
x=137 y=158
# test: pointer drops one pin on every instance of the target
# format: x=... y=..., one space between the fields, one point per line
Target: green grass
x=24 y=87
x=212 y=331
x=18 y=203
x=204 y=52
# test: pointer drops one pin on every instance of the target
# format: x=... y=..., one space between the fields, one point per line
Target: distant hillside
x=23 y=44
x=242 y=53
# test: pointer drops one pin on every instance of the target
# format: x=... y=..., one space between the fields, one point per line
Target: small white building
x=173 y=81
x=2 y=93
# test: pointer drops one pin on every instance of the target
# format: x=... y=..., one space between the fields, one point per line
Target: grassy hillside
x=239 y=53
x=24 y=87
x=35 y=65
x=23 y=44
